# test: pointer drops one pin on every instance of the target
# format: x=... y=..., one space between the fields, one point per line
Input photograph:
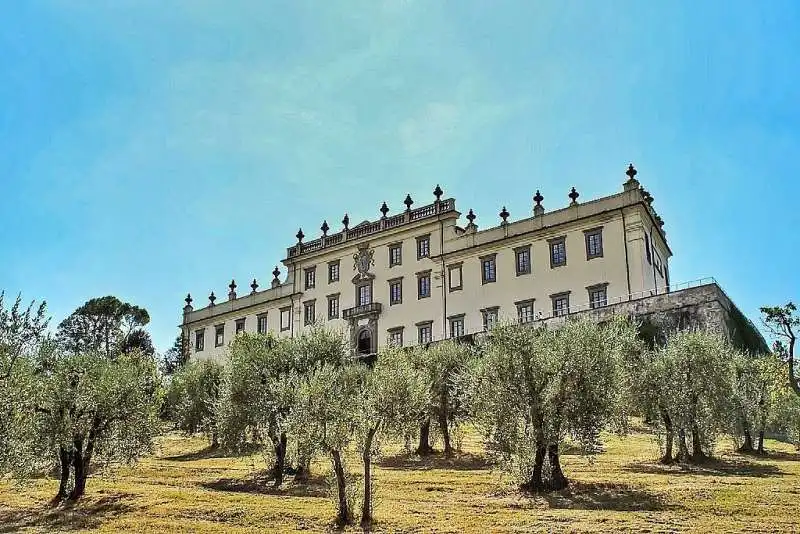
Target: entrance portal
x=365 y=342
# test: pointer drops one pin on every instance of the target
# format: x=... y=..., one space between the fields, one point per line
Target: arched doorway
x=365 y=342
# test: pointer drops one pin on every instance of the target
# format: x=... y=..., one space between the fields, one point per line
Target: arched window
x=365 y=342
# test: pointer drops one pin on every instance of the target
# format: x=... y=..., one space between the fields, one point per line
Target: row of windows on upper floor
x=558 y=257
x=598 y=297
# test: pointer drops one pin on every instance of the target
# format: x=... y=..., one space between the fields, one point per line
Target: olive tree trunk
x=343 y=513
x=279 y=447
x=670 y=437
x=424 y=438
x=366 y=508
x=557 y=479
x=443 y=426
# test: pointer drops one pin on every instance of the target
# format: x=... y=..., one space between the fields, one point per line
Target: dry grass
x=183 y=488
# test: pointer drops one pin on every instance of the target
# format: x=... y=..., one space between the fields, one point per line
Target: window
x=558 y=252
x=490 y=317
x=199 y=339
x=523 y=257
x=333 y=306
x=457 y=326
x=395 y=291
x=594 y=243
x=262 y=323
x=219 y=335
x=333 y=271
x=364 y=294
x=454 y=272
x=396 y=336
x=525 y=311
x=309 y=312
x=647 y=248
x=560 y=304
x=598 y=296
x=425 y=332
x=395 y=254
x=286 y=318
x=424 y=285
x=423 y=247
x=657 y=261
x=488 y=269
x=239 y=326
x=311 y=277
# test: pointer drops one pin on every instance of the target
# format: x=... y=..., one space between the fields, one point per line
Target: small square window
x=219 y=335
x=423 y=247
x=239 y=326
x=424 y=285
x=309 y=312
x=262 y=323
x=199 y=339
x=525 y=311
x=598 y=296
x=594 y=243
x=457 y=326
x=488 y=269
x=558 y=252
x=456 y=281
x=490 y=318
x=311 y=277
x=425 y=333
x=333 y=271
x=560 y=304
x=523 y=260
x=286 y=318
x=395 y=254
x=396 y=337
x=333 y=307
x=395 y=291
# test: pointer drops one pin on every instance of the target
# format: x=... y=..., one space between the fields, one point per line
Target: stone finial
x=504 y=215
x=471 y=217
x=232 y=292
x=324 y=228
x=188 y=306
x=212 y=298
x=254 y=285
x=384 y=210
x=573 y=195
x=300 y=235
x=438 y=192
x=346 y=222
x=631 y=183
x=538 y=209
x=275 y=274
x=408 y=202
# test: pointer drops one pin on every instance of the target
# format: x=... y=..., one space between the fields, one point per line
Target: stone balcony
x=373 y=308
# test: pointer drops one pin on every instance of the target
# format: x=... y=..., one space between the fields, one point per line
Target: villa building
x=419 y=276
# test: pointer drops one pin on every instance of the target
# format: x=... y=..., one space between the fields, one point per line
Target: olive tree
x=758 y=383
x=392 y=396
x=534 y=387
x=86 y=410
x=443 y=365
x=193 y=395
x=327 y=409
x=783 y=323
x=697 y=376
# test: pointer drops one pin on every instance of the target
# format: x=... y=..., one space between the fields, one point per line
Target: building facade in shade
x=425 y=275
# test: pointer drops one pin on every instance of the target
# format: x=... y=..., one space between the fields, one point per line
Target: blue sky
x=151 y=148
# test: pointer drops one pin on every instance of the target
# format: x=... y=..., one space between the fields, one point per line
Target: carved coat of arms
x=362 y=261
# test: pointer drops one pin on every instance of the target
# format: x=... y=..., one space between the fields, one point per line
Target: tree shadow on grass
x=709 y=467
x=606 y=496
x=214 y=452
x=88 y=513
x=457 y=462
x=315 y=486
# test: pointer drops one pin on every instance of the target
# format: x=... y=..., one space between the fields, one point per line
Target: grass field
x=183 y=488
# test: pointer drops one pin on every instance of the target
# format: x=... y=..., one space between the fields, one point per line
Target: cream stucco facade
x=612 y=247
